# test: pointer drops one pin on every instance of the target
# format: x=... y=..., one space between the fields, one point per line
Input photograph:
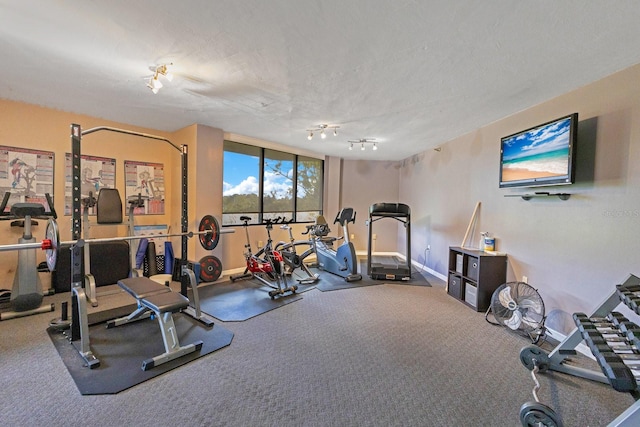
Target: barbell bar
x=208 y=230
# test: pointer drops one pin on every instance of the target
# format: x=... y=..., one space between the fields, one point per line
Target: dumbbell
x=618 y=326
x=612 y=319
x=630 y=288
x=624 y=352
x=620 y=376
x=630 y=298
x=599 y=338
x=628 y=330
x=633 y=335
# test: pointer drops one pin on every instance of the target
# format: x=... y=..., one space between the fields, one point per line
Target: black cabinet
x=474 y=275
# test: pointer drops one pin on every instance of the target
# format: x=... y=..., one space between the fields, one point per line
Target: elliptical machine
x=341 y=261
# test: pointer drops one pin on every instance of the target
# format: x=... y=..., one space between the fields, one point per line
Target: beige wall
x=573 y=251
x=363 y=184
x=29 y=126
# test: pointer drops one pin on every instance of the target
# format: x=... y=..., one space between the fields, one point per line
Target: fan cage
x=518 y=306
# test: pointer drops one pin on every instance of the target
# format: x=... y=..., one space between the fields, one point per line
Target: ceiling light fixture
x=321 y=128
x=164 y=70
x=154 y=82
x=362 y=142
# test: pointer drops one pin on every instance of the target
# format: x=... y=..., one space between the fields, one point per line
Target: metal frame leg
x=80 y=316
x=194 y=310
x=172 y=347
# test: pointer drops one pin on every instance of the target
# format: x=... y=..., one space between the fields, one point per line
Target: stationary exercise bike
x=26 y=295
x=267 y=265
x=292 y=259
x=341 y=261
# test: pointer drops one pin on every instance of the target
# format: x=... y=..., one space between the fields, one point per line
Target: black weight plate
x=210 y=268
x=209 y=241
x=537 y=414
x=532 y=355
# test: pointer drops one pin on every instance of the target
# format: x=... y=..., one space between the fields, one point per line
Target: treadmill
x=390 y=270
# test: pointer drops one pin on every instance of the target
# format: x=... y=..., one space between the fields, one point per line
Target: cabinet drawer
x=471 y=294
x=455 y=287
x=472 y=268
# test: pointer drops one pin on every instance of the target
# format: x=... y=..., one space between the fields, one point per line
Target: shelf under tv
x=561 y=196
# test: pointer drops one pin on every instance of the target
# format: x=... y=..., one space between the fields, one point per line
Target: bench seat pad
x=166 y=302
x=142 y=287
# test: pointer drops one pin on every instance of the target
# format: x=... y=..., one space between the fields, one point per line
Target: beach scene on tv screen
x=542 y=152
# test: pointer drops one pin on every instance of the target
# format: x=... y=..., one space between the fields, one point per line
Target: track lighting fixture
x=164 y=70
x=321 y=128
x=154 y=82
x=362 y=143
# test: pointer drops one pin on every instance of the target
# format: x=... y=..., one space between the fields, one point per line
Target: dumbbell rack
x=614 y=342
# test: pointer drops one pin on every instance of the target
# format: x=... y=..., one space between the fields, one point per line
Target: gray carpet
x=372 y=356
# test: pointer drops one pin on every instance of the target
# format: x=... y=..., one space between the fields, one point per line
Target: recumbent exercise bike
x=341 y=261
x=266 y=265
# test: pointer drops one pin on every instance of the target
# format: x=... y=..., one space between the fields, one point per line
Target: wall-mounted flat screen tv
x=542 y=155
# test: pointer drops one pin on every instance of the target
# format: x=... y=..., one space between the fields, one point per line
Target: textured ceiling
x=412 y=74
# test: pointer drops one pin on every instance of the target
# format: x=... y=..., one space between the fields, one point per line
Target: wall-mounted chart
x=95 y=173
x=146 y=181
x=27 y=174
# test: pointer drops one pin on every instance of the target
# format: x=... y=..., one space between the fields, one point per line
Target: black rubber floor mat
x=332 y=282
x=241 y=300
x=121 y=351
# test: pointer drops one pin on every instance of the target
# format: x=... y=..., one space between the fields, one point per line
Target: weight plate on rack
x=210 y=268
x=209 y=241
x=53 y=235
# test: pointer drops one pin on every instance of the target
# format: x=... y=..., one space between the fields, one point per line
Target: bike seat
x=321 y=230
x=245 y=218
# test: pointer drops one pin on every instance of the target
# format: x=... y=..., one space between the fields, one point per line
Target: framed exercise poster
x=95 y=173
x=27 y=174
x=146 y=181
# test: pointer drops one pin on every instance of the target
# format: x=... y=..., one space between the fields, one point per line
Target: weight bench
x=157 y=300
